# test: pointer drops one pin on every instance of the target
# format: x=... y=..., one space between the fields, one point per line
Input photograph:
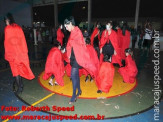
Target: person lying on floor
x=105 y=75
x=129 y=71
x=54 y=66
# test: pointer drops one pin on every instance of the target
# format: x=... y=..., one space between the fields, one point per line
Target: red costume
x=81 y=52
x=105 y=77
x=130 y=71
x=125 y=43
x=94 y=34
x=60 y=36
x=114 y=40
x=54 y=66
x=16 y=52
x=119 y=34
x=93 y=56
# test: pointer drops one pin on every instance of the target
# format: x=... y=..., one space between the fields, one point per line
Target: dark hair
x=106 y=58
x=56 y=44
x=69 y=20
x=87 y=40
x=85 y=33
x=124 y=28
x=130 y=51
x=63 y=47
x=98 y=23
x=10 y=18
x=111 y=22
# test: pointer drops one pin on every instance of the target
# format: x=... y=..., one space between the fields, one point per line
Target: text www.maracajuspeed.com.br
x=52 y=117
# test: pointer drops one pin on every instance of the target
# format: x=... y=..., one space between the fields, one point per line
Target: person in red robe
x=125 y=42
x=79 y=56
x=109 y=44
x=93 y=55
x=60 y=35
x=95 y=33
x=54 y=66
x=119 y=34
x=130 y=70
x=95 y=38
x=105 y=75
x=16 y=52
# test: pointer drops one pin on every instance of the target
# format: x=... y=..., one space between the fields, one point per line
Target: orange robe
x=54 y=66
x=95 y=32
x=114 y=41
x=105 y=77
x=16 y=52
x=125 y=43
x=130 y=71
x=82 y=55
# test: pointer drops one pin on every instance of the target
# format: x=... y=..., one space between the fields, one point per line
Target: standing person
x=60 y=35
x=134 y=37
x=95 y=38
x=124 y=41
x=78 y=55
x=141 y=35
x=16 y=52
x=109 y=44
x=147 y=37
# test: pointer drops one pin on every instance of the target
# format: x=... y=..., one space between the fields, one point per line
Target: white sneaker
x=56 y=83
x=51 y=82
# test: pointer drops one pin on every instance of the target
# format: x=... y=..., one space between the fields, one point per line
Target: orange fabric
x=16 y=52
x=60 y=36
x=105 y=77
x=130 y=71
x=119 y=34
x=83 y=58
x=114 y=40
x=125 y=43
x=94 y=34
x=54 y=66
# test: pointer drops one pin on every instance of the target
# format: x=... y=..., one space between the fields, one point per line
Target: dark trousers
x=133 y=43
x=75 y=82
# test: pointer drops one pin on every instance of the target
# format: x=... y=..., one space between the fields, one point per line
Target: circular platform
x=122 y=100
x=89 y=89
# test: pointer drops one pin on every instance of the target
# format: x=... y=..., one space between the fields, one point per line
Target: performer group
x=93 y=55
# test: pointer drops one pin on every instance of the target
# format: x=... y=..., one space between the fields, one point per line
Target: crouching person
x=54 y=66
x=105 y=75
x=129 y=71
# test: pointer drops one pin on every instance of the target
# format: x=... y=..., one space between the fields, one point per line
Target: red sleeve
x=94 y=34
x=103 y=39
x=105 y=77
x=15 y=43
x=60 y=36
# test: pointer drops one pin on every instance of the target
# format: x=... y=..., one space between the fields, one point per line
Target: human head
x=61 y=26
x=69 y=23
x=128 y=51
x=98 y=25
x=9 y=19
x=85 y=33
x=109 y=25
x=57 y=44
x=87 y=40
x=107 y=58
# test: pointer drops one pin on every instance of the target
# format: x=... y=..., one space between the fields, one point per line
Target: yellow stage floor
x=89 y=89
